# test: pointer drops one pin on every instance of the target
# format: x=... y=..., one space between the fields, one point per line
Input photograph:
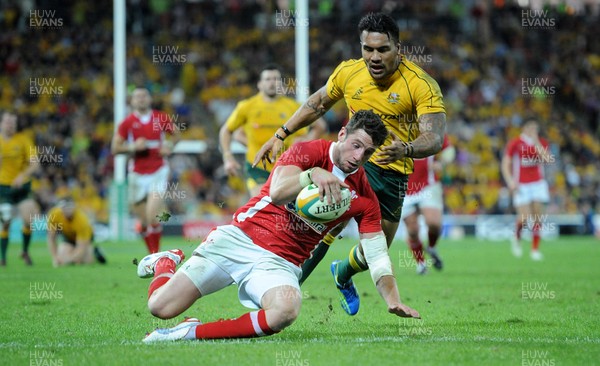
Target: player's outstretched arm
x=52 y=247
x=78 y=256
x=285 y=184
x=315 y=106
x=375 y=249
x=232 y=168
x=432 y=128
x=506 y=168
x=389 y=292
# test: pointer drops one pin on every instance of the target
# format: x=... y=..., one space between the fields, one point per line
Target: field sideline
x=484 y=308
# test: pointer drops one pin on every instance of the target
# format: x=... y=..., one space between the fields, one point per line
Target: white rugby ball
x=309 y=206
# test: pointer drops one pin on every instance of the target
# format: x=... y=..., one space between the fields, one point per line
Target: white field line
x=329 y=340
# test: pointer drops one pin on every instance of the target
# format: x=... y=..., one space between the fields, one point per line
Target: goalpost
x=119 y=212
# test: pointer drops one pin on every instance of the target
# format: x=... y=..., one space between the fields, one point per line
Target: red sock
x=535 y=244
x=417 y=249
x=433 y=234
x=149 y=244
x=155 y=232
x=249 y=325
x=164 y=269
x=518 y=229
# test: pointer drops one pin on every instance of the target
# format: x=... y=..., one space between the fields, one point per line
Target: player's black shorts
x=12 y=195
x=390 y=188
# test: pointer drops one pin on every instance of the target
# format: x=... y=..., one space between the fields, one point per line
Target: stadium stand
x=484 y=59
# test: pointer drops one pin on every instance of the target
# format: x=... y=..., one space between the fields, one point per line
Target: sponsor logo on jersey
x=319 y=228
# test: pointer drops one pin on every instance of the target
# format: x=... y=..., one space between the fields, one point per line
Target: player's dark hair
x=270 y=67
x=531 y=120
x=370 y=122
x=8 y=111
x=380 y=23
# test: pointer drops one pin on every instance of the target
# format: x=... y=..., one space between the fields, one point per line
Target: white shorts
x=429 y=197
x=228 y=256
x=141 y=185
x=531 y=192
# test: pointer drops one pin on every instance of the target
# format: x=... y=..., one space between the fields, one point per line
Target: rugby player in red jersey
x=522 y=169
x=424 y=197
x=263 y=249
x=142 y=134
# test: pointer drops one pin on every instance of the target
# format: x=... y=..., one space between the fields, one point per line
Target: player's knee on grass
x=174 y=297
x=161 y=307
x=282 y=306
x=65 y=252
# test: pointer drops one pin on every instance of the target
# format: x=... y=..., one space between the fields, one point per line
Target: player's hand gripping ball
x=309 y=206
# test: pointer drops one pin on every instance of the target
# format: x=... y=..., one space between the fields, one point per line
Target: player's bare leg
x=139 y=210
x=389 y=230
x=176 y=295
x=523 y=213
x=27 y=209
x=433 y=220
x=537 y=209
x=282 y=306
x=414 y=242
x=4 y=236
x=170 y=294
x=155 y=205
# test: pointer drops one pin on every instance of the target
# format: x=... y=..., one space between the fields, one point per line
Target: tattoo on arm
x=316 y=107
x=432 y=127
x=319 y=102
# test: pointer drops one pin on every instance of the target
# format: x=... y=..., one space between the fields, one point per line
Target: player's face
x=8 y=125
x=268 y=82
x=141 y=100
x=69 y=211
x=381 y=55
x=353 y=150
x=531 y=129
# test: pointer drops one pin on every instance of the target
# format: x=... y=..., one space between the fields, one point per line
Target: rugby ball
x=309 y=206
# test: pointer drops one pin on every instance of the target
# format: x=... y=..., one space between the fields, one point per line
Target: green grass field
x=485 y=308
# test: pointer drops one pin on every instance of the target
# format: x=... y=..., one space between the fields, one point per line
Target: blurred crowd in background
x=496 y=64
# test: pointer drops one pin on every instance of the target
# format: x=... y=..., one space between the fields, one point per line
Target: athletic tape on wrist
x=376 y=255
x=305 y=178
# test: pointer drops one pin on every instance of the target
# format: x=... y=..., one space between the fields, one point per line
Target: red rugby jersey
x=527 y=164
x=153 y=129
x=282 y=231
